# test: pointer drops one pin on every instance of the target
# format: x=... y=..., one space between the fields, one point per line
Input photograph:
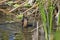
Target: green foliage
x=44 y=19
x=20 y=16
x=9 y=2
x=27 y=5
x=50 y=18
x=50 y=15
x=57 y=35
x=42 y=11
x=16 y=5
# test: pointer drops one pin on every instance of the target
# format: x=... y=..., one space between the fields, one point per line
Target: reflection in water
x=11 y=37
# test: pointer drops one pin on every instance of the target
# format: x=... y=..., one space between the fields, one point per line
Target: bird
x=24 y=21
